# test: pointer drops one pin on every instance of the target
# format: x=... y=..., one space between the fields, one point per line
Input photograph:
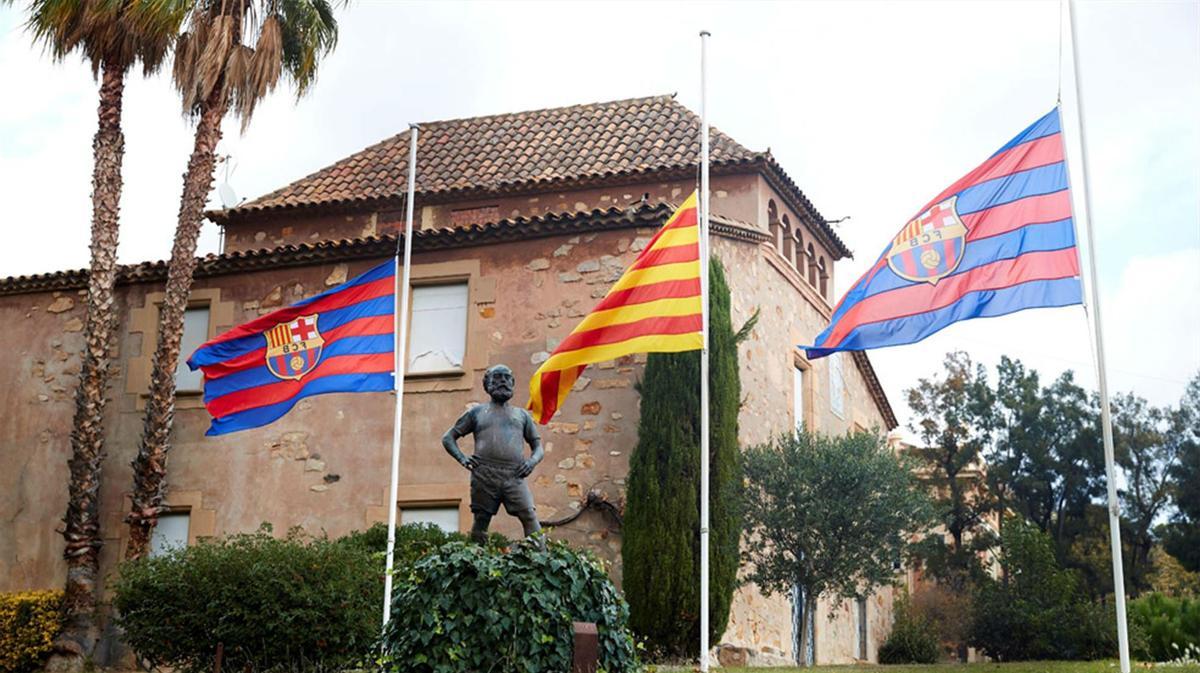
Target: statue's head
x=498 y=382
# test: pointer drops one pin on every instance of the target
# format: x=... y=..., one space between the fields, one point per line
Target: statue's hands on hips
x=469 y=462
x=526 y=468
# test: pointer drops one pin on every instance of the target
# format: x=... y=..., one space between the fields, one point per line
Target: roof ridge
x=601 y=103
x=399 y=137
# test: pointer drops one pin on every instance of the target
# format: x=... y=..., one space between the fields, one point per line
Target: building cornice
x=763 y=164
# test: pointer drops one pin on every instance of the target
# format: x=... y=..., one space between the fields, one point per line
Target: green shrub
x=913 y=639
x=1038 y=610
x=273 y=603
x=29 y=623
x=1170 y=626
x=469 y=608
x=412 y=541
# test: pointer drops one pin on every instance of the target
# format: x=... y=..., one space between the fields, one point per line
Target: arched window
x=789 y=242
x=812 y=266
x=774 y=226
x=798 y=259
x=824 y=277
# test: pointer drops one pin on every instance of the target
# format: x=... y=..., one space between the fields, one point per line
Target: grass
x=1019 y=667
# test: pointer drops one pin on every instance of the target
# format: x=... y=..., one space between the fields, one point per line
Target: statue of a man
x=498 y=465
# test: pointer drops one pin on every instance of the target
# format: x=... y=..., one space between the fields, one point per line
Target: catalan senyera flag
x=655 y=307
x=999 y=240
x=340 y=341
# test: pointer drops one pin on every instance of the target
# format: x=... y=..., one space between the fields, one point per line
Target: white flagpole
x=1114 y=509
x=702 y=207
x=401 y=362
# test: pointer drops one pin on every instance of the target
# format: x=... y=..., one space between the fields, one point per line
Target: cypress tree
x=661 y=550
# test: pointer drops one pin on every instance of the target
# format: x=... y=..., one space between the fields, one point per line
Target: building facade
x=524 y=220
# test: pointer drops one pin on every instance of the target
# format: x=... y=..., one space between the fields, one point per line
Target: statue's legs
x=480 y=528
x=529 y=521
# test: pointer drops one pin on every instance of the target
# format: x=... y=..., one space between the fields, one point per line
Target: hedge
x=272 y=602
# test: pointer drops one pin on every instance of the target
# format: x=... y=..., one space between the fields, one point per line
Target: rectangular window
x=170 y=533
x=438 y=338
x=837 y=386
x=861 y=630
x=195 y=333
x=445 y=518
x=798 y=398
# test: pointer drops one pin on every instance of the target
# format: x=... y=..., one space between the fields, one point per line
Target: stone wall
x=323 y=467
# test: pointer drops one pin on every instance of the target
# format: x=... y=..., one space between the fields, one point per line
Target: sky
x=871 y=107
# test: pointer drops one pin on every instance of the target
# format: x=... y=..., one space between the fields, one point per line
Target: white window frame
x=416 y=514
x=798 y=418
x=837 y=385
x=417 y=317
x=186 y=380
x=159 y=546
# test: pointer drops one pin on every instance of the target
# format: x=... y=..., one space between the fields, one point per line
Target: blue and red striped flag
x=340 y=341
x=999 y=240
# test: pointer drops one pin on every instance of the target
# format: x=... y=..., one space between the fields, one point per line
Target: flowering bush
x=29 y=622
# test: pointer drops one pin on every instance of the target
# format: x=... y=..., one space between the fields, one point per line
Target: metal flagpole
x=702 y=207
x=401 y=362
x=1093 y=313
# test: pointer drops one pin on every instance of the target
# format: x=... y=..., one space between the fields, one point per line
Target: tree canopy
x=830 y=514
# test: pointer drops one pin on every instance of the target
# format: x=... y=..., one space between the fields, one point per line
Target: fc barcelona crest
x=930 y=247
x=294 y=348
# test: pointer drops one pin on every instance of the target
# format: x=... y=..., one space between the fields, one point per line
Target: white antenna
x=225 y=191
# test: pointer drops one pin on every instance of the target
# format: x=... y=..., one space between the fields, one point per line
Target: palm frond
x=114 y=32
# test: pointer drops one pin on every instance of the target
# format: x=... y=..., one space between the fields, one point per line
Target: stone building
x=524 y=220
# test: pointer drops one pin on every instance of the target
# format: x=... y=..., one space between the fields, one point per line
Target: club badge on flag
x=294 y=348
x=999 y=240
x=340 y=341
x=931 y=245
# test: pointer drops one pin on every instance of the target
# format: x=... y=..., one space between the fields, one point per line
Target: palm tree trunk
x=150 y=465
x=82 y=520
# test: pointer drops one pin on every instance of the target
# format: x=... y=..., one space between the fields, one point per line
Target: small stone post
x=586 y=648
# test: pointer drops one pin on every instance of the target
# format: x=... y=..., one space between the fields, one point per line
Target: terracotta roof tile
x=619 y=137
x=521 y=151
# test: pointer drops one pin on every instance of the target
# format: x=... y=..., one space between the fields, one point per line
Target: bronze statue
x=498 y=465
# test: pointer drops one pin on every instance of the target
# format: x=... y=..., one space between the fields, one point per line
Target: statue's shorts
x=493 y=484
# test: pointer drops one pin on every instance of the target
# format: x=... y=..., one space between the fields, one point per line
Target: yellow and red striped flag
x=655 y=307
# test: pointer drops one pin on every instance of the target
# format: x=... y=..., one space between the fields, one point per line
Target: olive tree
x=829 y=514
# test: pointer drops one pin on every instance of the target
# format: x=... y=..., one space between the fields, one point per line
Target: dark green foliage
x=1182 y=535
x=1170 y=625
x=271 y=602
x=470 y=609
x=661 y=552
x=1148 y=444
x=913 y=639
x=1037 y=609
x=412 y=542
x=828 y=514
x=950 y=415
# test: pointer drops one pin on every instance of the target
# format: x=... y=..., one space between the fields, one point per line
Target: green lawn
x=1023 y=667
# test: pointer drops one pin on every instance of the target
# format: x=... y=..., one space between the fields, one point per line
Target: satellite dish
x=228 y=196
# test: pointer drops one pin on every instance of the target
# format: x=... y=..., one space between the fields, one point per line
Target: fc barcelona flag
x=340 y=341
x=999 y=240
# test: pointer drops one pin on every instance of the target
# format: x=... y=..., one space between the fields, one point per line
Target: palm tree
x=216 y=71
x=112 y=36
